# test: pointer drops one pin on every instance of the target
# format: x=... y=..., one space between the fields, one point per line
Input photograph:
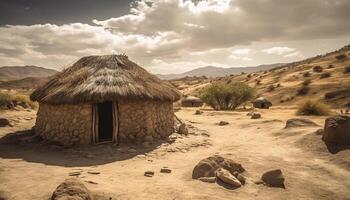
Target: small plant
x=311 y=107
x=307 y=74
x=330 y=66
x=325 y=75
x=271 y=88
x=257 y=81
x=226 y=96
x=317 y=69
x=340 y=57
x=303 y=90
x=306 y=82
x=278 y=85
x=249 y=75
x=347 y=70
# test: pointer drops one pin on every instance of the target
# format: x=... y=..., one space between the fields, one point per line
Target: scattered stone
x=183 y=129
x=165 y=170
x=273 y=178
x=4 y=122
x=208 y=179
x=183 y=150
x=91 y=182
x=226 y=177
x=141 y=156
x=208 y=166
x=240 y=177
x=223 y=123
x=198 y=112
x=256 y=115
x=149 y=173
x=337 y=130
x=94 y=172
x=71 y=189
x=297 y=122
x=74 y=173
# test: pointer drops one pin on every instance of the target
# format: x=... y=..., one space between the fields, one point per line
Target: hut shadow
x=25 y=145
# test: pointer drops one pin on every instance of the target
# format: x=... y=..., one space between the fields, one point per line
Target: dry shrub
x=317 y=69
x=312 y=107
x=8 y=99
x=226 y=96
x=271 y=88
x=340 y=57
x=306 y=82
x=347 y=70
x=303 y=90
x=325 y=75
x=307 y=74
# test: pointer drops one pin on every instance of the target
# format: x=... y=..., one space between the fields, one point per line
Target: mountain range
x=10 y=73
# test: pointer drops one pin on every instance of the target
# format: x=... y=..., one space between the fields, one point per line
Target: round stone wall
x=141 y=121
x=66 y=124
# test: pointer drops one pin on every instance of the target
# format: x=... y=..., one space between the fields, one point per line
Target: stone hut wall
x=66 y=124
x=141 y=120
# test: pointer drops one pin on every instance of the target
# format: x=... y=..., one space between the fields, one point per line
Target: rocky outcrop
x=337 y=130
x=297 y=122
x=4 y=122
x=71 y=189
x=273 y=178
x=208 y=166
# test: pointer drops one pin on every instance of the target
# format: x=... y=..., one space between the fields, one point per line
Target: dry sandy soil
x=32 y=170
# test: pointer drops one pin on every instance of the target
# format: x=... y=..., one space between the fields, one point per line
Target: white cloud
x=243 y=51
x=294 y=54
x=278 y=50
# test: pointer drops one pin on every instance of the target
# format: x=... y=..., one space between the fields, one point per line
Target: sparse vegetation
x=303 y=90
x=330 y=66
x=8 y=101
x=307 y=74
x=311 y=107
x=226 y=96
x=340 y=57
x=317 y=69
x=271 y=88
x=325 y=75
x=306 y=82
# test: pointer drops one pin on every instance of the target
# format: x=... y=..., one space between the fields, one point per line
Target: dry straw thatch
x=104 y=78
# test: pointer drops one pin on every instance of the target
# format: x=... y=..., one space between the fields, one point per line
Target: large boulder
x=226 y=177
x=208 y=166
x=262 y=103
x=337 y=130
x=298 y=122
x=273 y=178
x=4 y=122
x=71 y=189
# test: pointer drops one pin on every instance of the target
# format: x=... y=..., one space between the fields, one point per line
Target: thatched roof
x=103 y=78
x=191 y=99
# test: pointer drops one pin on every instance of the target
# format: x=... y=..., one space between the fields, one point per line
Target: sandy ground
x=31 y=170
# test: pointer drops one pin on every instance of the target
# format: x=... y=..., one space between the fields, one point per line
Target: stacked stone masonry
x=139 y=121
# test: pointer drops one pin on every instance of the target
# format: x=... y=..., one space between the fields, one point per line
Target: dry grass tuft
x=312 y=107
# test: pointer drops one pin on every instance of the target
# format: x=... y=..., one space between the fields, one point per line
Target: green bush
x=226 y=96
x=311 y=107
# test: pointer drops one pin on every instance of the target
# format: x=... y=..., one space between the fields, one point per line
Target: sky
x=171 y=36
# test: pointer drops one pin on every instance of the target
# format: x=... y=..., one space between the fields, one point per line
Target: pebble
x=165 y=170
x=149 y=173
x=74 y=173
x=94 y=172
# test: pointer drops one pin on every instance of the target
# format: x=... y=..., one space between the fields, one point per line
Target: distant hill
x=26 y=83
x=10 y=73
x=212 y=71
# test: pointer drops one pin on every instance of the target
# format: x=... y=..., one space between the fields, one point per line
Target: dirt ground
x=32 y=170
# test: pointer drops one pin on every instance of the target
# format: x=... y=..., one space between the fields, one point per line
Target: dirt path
x=33 y=172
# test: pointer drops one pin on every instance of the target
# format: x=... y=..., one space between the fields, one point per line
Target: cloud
x=176 y=31
x=278 y=50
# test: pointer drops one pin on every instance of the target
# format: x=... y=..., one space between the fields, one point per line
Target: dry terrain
x=30 y=169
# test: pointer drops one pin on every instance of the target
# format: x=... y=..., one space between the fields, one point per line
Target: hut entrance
x=105 y=121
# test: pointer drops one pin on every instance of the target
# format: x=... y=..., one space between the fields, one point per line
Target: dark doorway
x=105 y=121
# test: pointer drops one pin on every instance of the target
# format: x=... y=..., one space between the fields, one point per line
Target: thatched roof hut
x=104 y=98
x=262 y=103
x=191 y=101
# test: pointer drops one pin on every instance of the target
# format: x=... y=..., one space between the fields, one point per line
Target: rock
x=94 y=172
x=141 y=156
x=208 y=166
x=149 y=173
x=256 y=115
x=240 y=177
x=4 y=122
x=198 y=112
x=71 y=189
x=337 y=130
x=262 y=103
x=208 y=179
x=223 y=123
x=74 y=173
x=296 y=122
x=131 y=150
x=165 y=170
x=183 y=129
x=226 y=177
x=273 y=178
